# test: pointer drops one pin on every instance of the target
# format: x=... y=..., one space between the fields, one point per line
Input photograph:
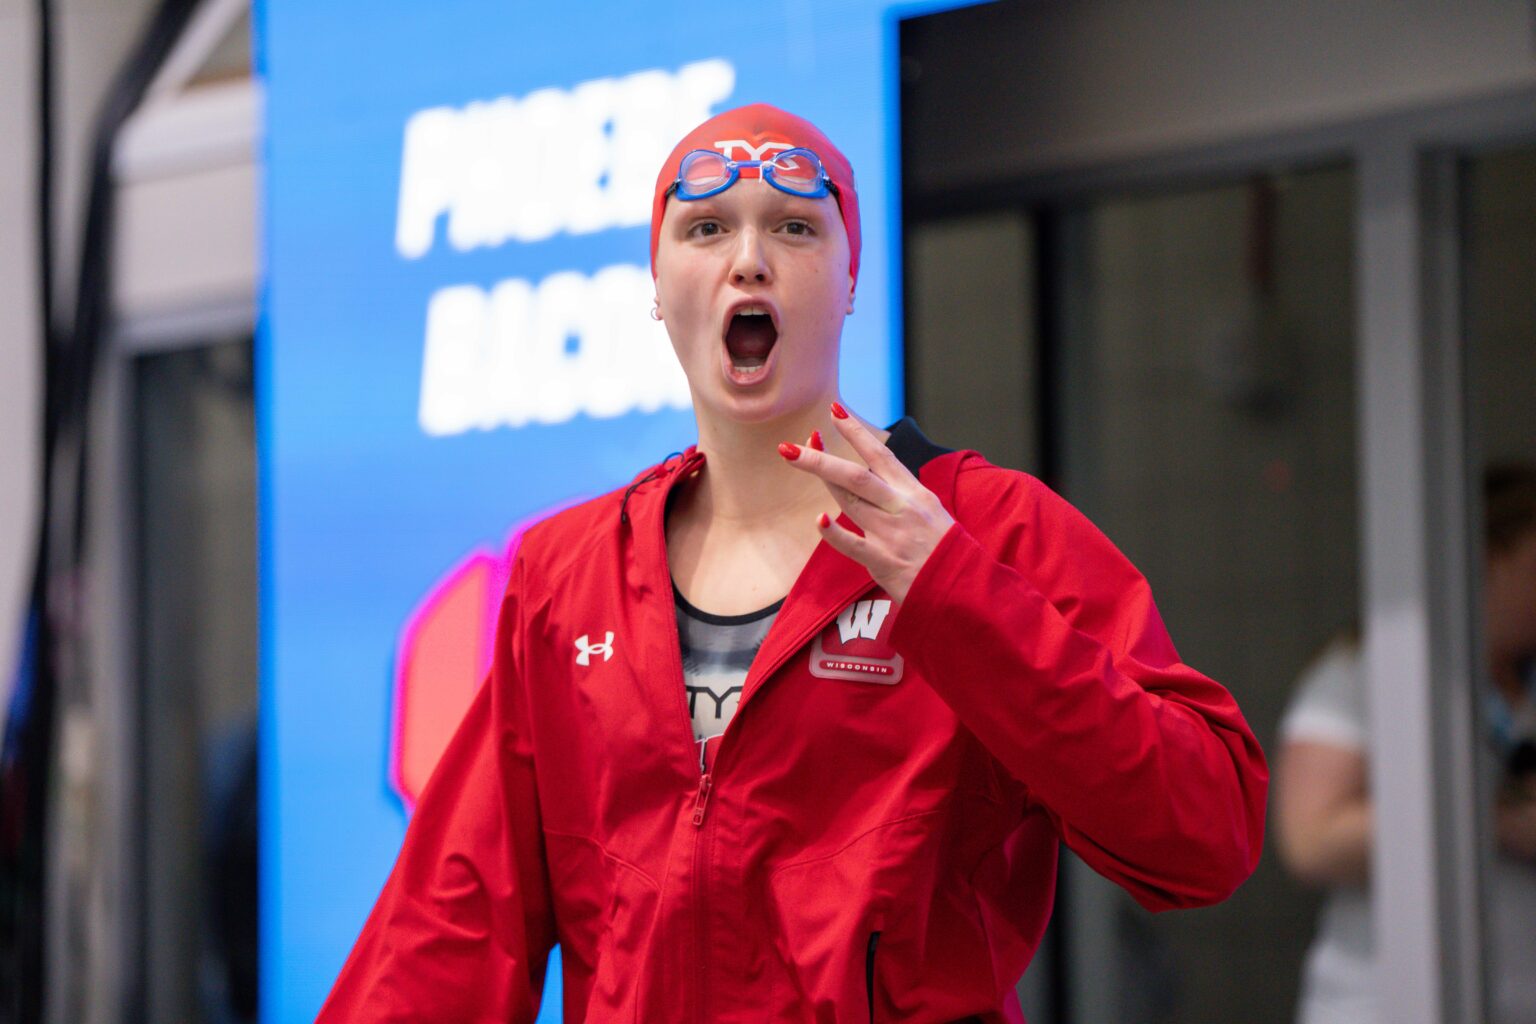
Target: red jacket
x=876 y=837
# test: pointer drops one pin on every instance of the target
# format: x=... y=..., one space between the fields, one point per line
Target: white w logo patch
x=586 y=650
x=862 y=620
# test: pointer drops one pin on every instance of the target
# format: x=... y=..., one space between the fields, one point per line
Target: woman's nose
x=749 y=262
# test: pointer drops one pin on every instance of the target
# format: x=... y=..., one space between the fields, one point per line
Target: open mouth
x=749 y=338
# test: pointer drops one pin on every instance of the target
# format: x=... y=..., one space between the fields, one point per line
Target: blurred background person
x=1323 y=800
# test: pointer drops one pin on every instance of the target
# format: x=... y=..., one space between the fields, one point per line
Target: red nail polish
x=816 y=441
x=824 y=521
x=789 y=451
x=839 y=411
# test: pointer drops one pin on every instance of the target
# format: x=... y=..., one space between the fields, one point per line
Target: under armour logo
x=862 y=620
x=728 y=148
x=586 y=650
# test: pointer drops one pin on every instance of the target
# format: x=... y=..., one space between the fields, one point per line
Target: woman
x=1323 y=802
x=904 y=673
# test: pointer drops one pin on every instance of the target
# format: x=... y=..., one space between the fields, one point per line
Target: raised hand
x=901 y=520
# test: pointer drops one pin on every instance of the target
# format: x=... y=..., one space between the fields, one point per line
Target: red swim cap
x=751 y=133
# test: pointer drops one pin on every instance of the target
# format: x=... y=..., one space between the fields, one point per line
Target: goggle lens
x=702 y=172
x=798 y=171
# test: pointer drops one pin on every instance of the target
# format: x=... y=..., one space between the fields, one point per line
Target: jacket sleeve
x=463 y=928
x=1044 y=640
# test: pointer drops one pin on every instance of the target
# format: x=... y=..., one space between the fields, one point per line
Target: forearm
x=1335 y=849
x=1323 y=810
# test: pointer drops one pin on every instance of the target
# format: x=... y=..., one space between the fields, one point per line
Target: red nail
x=789 y=451
x=816 y=441
x=824 y=521
x=839 y=411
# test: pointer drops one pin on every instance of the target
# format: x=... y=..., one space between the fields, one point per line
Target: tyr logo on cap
x=728 y=148
x=856 y=646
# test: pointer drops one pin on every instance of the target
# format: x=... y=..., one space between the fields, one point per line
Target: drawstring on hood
x=660 y=469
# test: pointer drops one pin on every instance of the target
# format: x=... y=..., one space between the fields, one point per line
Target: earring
x=656 y=312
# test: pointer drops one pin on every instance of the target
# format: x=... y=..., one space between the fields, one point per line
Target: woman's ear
x=851 y=286
x=655 y=308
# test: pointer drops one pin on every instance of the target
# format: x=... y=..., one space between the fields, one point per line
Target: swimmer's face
x=753 y=285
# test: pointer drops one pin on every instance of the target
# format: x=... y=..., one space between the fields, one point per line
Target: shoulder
x=1329 y=706
x=570 y=536
x=562 y=537
x=1011 y=512
x=1019 y=509
x=966 y=479
x=979 y=482
x=1337 y=667
x=959 y=476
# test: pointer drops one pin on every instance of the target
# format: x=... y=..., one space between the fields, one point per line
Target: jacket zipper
x=706 y=780
x=701 y=890
x=869 y=973
x=701 y=800
x=676 y=646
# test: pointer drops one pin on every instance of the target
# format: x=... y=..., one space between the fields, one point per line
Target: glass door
x=1498 y=291
x=1207 y=424
x=1180 y=365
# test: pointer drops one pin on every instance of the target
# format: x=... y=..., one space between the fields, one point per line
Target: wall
x=1113 y=80
x=970 y=326
x=1500 y=253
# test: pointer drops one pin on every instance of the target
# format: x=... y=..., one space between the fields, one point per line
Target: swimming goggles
x=704 y=173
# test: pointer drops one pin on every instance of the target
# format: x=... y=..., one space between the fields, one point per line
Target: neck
x=747 y=485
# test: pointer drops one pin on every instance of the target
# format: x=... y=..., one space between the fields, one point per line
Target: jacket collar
x=911 y=445
x=907 y=442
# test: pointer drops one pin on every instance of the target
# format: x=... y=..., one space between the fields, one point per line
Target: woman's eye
x=706 y=228
x=797 y=227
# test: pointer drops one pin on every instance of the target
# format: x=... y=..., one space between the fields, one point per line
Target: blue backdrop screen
x=455 y=341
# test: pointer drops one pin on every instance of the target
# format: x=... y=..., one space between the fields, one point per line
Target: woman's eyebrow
x=785 y=201
x=805 y=212
x=696 y=207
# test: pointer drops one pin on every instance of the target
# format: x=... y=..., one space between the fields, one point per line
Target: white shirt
x=1338 y=979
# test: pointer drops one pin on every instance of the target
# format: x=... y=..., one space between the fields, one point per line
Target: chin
x=747 y=409
x=760 y=405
